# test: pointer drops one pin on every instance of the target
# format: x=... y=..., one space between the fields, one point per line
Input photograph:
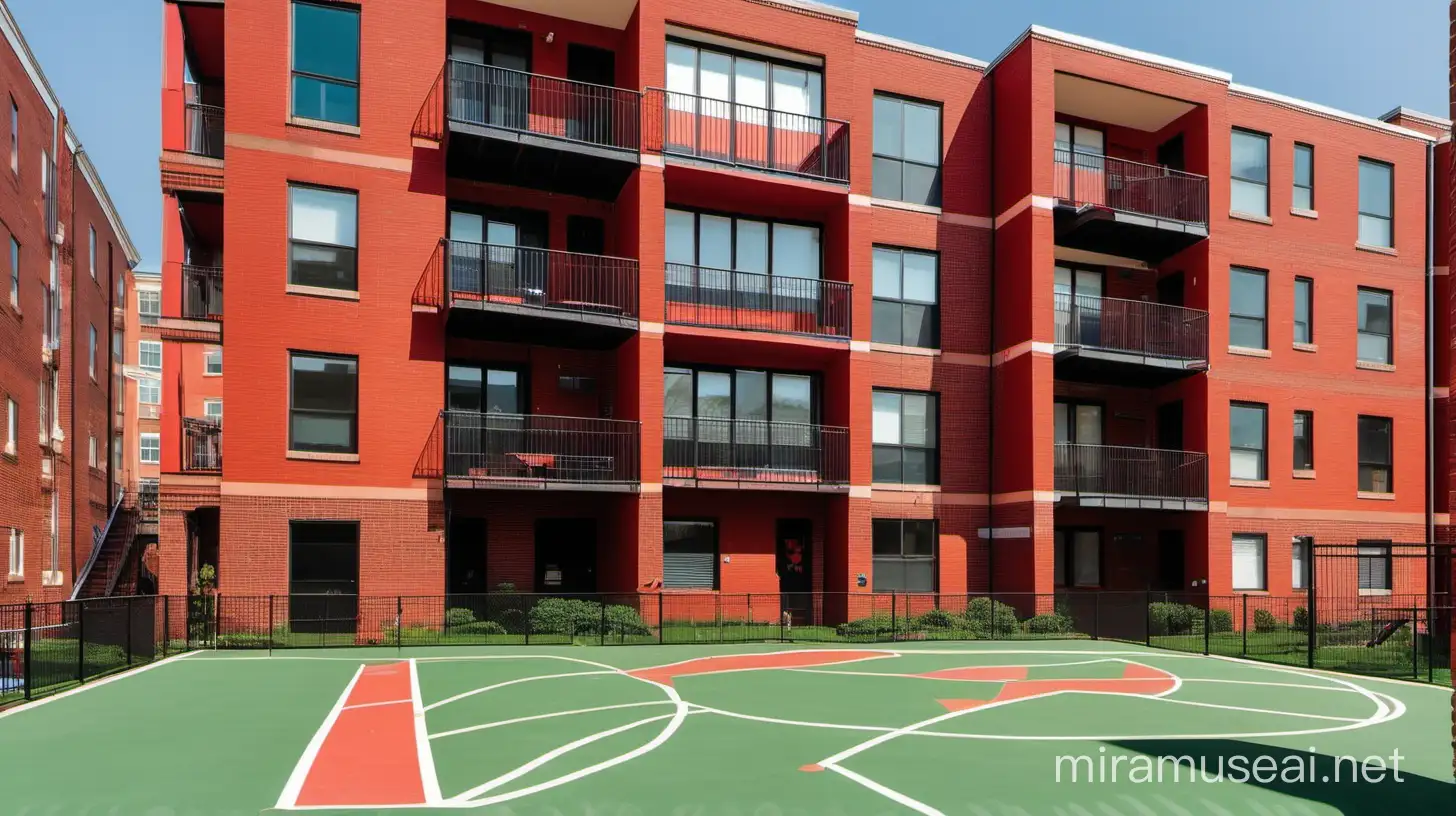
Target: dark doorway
x=795 y=550
x=586 y=234
x=591 y=105
x=566 y=556
x=1170 y=560
x=323 y=576
x=489 y=83
x=1170 y=425
x=1170 y=289
x=1170 y=153
x=465 y=557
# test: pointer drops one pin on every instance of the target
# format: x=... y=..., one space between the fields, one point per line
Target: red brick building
x=66 y=255
x=731 y=295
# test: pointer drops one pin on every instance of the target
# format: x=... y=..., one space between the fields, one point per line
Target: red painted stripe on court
x=991 y=674
x=369 y=756
x=774 y=660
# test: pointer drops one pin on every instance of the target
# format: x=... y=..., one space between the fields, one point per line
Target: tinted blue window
x=326 y=46
x=328 y=101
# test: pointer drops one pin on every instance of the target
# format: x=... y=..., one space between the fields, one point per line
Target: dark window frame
x=717 y=550
x=735 y=54
x=1359 y=212
x=937 y=189
x=1069 y=556
x=1263 y=567
x=733 y=219
x=933 y=308
x=353 y=252
x=349 y=8
x=15 y=271
x=1263 y=448
x=1388 y=465
x=523 y=382
x=1308 y=321
x=353 y=446
x=815 y=387
x=1366 y=563
x=932 y=453
x=1308 y=425
x=1262 y=274
x=1299 y=579
x=933 y=559
x=1360 y=331
x=1268 y=141
x=1073 y=403
x=1309 y=148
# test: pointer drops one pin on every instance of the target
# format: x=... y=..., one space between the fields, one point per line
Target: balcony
x=532 y=452
x=201 y=445
x=148 y=491
x=526 y=294
x=724 y=299
x=1142 y=478
x=1128 y=342
x=202 y=292
x=742 y=453
x=202 y=129
x=1125 y=208
x=738 y=135
x=528 y=130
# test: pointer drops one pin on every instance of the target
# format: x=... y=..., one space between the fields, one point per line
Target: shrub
x=1049 y=624
x=624 y=620
x=513 y=618
x=1301 y=619
x=991 y=618
x=242 y=640
x=1174 y=619
x=565 y=616
x=459 y=616
x=478 y=628
x=936 y=619
x=867 y=627
x=1221 y=620
x=1264 y=621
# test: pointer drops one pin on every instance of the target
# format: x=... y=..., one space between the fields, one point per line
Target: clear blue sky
x=1366 y=56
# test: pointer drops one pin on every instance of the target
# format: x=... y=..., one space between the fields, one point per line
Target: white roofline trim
x=1411 y=113
x=1130 y=54
x=11 y=29
x=815 y=8
x=1332 y=113
x=88 y=170
x=894 y=44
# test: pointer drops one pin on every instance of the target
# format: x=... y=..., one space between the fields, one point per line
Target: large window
x=1377 y=203
x=1077 y=558
x=690 y=554
x=1374 y=443
x=323 y=576
x=1373 y=565
x=323 y=238
x=743 y=87
x=212 y=362
x=323 y=403
x=904 y=555
x=1303 y=310
x=149 y=306
x=906 y=290
x=1303 y=440
x=1303 y=177
x=150 y=449
x=326 y=63
x=212 y=409
x=1247 y=440
x=907 y=151
x=1301 y=549
x=1249 y=182
x=1373 y=345
x=739 y=405
x=1248 y=308
x=904 y=432
x=1250 y=562
x=149 y=390
x=149 y=354
x=14 y=137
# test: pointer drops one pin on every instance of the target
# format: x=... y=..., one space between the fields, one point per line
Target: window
x=323 y=576
x=12 y=425
x=906 y=288
x=1249 y=162
x=1247 y=434
x=151 y=449
x=116 y=448
x=719 y=260
x=323 y=238
x=1304 y=440
x=1248 y=299
x=907 y=151
x=690 y=554
x=91 y=354
x=118 y=343
x=149 y=306
x=55 y=530
x=1377 y=204
x=1077 y=558
x=1249 y=562
x=1303 y=177
x=1373 y=560
x=212 y=362
x=149 y=354
x=1303 y=310
x=326 y=63
x=14 y=137
x=17 y=553
x=1374 y=342
x=749 y=84
x=1374 y=443
x=149 y=390
x=14 y=272
x=767 y=415
x=904 y=555
x=91 y=450
x=904 y=434
x=91 y=252
x=1301 y=550
x=323 y=406
x=212 y=408
x=1075 y=423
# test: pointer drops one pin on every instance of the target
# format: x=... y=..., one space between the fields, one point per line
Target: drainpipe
x=1430 y=345
x=991 y=370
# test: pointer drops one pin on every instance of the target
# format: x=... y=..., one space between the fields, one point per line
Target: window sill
x=1303 y=213
x=12 y=578
x=1306 y=347
x=1260 y=483
x=1304 y=474
x=9 y=451
x=1257 y=219
x=1361 y=494
x=905 y=205
x=1365 y=365
x=1374 y=592
x=320 y=124
x=1378 y=250
x=210 y=374
x=917 y=351
x=321 y=291
x=1251 y=591
x=317 y=456
x=52 y=578
x=1243 y=351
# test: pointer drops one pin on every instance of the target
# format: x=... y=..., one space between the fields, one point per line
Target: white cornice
x=1332 y=113
x=915 y=48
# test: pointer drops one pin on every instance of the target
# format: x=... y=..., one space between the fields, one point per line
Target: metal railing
x=1129 y=186
x=537 y=448
x=541 y=278
x=46 y=648
x=203 y=127
x=1136 y=326
x=148 y=496
x=749 y=136
x=744 y=450
x=704 y=296
x=551 y=106
x=96 y=543
x=1110 y=470
x=201 y=445
x=201 y=292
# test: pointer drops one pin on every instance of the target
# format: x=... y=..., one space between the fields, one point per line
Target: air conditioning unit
x=60 y=237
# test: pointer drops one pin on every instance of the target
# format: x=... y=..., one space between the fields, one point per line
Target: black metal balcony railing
x=202 y=126
x=201 y=445
x=1133 y=326
x=148 y=492
x=539 y=448
x=542 y=278
x=704 y=296
x=202 y=292
x=744 y=450
x=1108 y=470
x=550 y=106
x=1129 y=186
x=750 y=136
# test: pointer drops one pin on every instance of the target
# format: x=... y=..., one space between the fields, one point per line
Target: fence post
x=216 y=620
x=398 y=622
x=81 y=641
x=25 y=672
x=1096 y=615
x=894 y=600
x=1147 y=617
x=166 y=624
x=1311 y=624
x=748 y=624
x=271 y=618
x=661 y=626
x=1207 y=621
x=1415 y=643
x=602 y=632
x=1244 y=652
x=127 y=609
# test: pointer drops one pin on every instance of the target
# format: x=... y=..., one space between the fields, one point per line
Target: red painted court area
x=1136 y=679
x=369 y=755
x=745 y=662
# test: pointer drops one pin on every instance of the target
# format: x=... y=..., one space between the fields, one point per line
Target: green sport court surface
x=747 y=729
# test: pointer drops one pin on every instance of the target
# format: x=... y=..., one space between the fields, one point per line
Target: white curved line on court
x=973 y=680
x=1263 y=710
x=1309 y=686
x=552 y=715
x=516 y=681
x=887 y=791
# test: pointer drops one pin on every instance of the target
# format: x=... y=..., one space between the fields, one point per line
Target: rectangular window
x=1248 y=308
x=767 y=416
x=150 y=449
x=690 y=554
x=1250 y=562
x=212 y=361
x=323 y=238
x=1303 y=177
x=149 y=390
x=326 y=63
x=14 y=272
x=118 y=343
x=1247 y=436
x=149 y=306
x=1249 y=182
x=1374 y=340
x=1077 y=557
x=149 y=355
x=1373 y=564
x=1304 y=440
x=906 y=290
x=91 y=252
x=906 y=151
x=904 y=434
x=323 y=576
x=1303 y=310
x=323 y=403
x=1300 y=551
x=12 y=425
x=17 y=553
x=55 y=530
x=1374 y=443
x=14 y=137
x=212 y=408
x=91 y=354
x=91 y=450
x=1377 y=204
x=904 y=555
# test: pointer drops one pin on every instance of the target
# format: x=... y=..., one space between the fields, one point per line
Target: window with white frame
x=1300 y=551
x=17 y=553
x=91 y=354
x=149 y=390
x=1373 y=562
x=149 y=354
x=1249 y=562
x=149 y=306
x=151 y=449
x=12 y=425
x=212 y=362
x=91 y=450
x=91 y=252
x=55 y=530
x=212 y=408
x=14 y=272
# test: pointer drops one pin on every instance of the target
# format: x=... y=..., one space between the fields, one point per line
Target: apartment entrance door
x=795 y=567
x=566 y=556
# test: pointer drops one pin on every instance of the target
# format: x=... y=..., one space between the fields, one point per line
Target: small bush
x=991 y=618
x=242 y=640
x=1221 y=620
x=1264 y=621
x=624 y=620
x=459 y=616
x=937 y=619
x=867 y=627
x=1049 y=624
x=1301 y=619
x=565 y=616
x=478 y=628
x=1175 y=619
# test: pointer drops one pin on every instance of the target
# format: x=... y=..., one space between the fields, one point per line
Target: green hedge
x=1049 y=624
x=574 y=616
x=992 y=619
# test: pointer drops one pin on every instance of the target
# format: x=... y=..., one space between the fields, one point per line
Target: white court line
x=552 y=715
x=887 y=792
x=473 y=692
x=1263 y=711
x=965 y=679
x=289 y=797
x=34 y=704
x=372 y=705
x=425 y=756
x=1329 y=674
x=1264 y=683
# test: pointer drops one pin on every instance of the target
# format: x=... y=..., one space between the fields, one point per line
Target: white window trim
x=16 y=564
x=12 y=425
x=141 y=449
x=91 y=251
x=140 y=392
x=207 y=403
x=207 y=362
x=141 y=344
x=91 y=450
